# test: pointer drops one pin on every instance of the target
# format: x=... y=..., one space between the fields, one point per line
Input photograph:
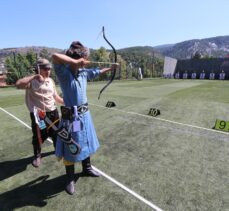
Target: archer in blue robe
x=74 y=94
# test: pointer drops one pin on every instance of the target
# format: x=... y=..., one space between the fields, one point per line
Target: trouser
x=70 y=171
x=39 y=136
x=69 y=166
x=87 y=170
x=85 y=163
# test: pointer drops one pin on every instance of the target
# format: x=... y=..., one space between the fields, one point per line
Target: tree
x=196 y=55
x=122 y=68
x=45 y=54
x=101 y=55
x=19 y=66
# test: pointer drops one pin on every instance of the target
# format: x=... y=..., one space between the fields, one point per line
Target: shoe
x=70 y=188
x=89 y=171
x=36 y=162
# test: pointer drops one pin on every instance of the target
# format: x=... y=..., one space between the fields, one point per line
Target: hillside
x=9 y=51
x=214 y=46
x=146 y=50
x=143 y=50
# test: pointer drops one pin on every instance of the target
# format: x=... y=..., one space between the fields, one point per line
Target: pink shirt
x=41 y=95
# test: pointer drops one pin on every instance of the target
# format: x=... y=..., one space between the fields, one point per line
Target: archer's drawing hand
x=82 y=62
x=39 y=77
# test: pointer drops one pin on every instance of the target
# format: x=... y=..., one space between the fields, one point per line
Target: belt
x=67 y=112
x=82 y=108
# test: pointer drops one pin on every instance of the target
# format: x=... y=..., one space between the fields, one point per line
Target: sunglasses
x=46 y=68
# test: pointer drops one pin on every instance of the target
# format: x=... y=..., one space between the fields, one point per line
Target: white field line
x=160 y=119
x=102 y=173
x=15 y=118
x=128 y=190
x=21 y=121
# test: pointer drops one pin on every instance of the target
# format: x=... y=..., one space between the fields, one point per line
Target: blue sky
x=56 y=23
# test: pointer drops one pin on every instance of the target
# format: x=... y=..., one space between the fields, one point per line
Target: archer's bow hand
x=111 y=68
x=114 y=66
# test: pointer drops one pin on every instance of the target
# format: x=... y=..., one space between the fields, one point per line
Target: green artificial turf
x=175 y=166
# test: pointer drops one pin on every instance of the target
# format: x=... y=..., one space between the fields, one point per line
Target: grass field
x=174 y=161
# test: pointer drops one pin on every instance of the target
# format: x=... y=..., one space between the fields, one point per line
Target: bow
x=115 y=60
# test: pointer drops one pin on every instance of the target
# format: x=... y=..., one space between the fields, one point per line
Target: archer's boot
x=70 y=170
x=88 y=170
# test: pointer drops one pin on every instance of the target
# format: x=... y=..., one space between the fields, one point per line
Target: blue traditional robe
x=74 y=94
